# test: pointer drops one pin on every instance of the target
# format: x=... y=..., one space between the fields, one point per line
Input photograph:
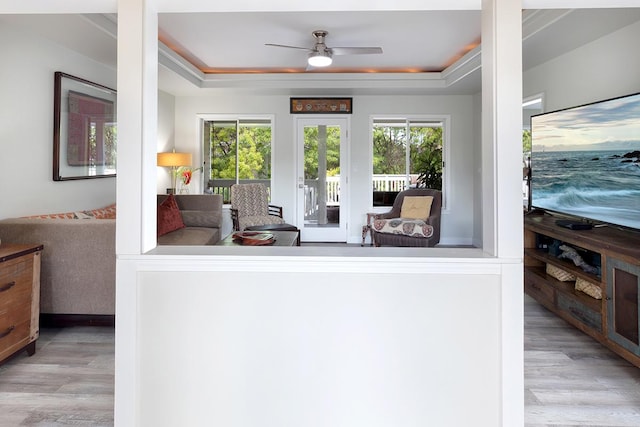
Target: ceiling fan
x=320 y=55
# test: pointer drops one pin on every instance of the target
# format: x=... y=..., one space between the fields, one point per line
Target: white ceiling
x=234 y=42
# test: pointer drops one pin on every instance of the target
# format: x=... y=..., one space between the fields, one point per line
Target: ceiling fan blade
x=355 y=50
x=289 y=47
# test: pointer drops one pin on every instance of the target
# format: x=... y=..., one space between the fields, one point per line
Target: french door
x=322 y=182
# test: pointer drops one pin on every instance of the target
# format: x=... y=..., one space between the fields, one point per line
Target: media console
x=613 y=320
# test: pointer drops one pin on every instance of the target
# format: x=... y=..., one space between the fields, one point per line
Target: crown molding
x=534 y=21
x=463 y=67
x=176 y=63
x=107 y=23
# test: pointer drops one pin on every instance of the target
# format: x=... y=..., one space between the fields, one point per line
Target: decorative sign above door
x=321 y=106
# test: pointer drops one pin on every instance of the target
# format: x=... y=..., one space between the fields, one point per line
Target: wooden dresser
x=613 y=320
x=19 y=298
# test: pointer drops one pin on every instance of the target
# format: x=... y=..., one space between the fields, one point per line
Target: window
x=530 y=107
x=406 y=153
x=102 y=146
x=236 y=151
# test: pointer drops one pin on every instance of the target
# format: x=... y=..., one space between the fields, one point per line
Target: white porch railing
x=332 y=190
x=311 y=196
x=390 y=182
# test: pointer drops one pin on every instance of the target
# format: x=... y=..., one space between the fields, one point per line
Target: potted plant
x=429 y=163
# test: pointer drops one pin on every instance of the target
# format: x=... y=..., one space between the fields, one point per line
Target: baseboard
x=55 y=320
x=457 y=241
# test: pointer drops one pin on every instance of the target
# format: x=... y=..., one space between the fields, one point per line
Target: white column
x=136 y=187
x=501 y=181
x=501 y=126
x=137 y=126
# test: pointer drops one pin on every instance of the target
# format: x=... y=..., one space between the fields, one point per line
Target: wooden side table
x=367 y=227
x=19 y=298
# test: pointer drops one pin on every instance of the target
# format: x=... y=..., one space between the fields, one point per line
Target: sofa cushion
x=192 y=218
x=77 y=274
x=406 y=227
x=191 y=236
x=169 y=217
x=416 y=207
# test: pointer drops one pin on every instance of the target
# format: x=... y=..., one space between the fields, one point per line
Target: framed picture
x=84 y=129
x=321 y=106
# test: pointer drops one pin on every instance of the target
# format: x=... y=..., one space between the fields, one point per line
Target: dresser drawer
x=15 y=330
x=16 y=277
x=580 y=312
x=19 y=298
x=14 y=314
x=538 y=288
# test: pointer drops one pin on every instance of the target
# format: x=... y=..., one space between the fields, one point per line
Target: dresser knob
x=8 y=331
x=7 y=286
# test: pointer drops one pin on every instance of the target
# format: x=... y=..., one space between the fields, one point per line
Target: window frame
x=445 y=119
x=537 y=99
x=203 y=119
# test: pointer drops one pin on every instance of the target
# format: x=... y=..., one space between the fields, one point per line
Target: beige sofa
x=79 y=262
x=202 y=217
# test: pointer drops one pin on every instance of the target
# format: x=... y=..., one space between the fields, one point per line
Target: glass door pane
x=321 y=182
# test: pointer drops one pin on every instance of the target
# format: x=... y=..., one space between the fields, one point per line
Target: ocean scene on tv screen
x=585 y=161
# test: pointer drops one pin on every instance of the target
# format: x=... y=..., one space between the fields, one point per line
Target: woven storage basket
x=588 y=288
x=560 y=274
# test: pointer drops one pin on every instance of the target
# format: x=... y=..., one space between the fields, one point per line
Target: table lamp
x=174 y=160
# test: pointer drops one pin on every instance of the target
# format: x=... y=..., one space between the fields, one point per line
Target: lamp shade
x=174 y=159
x=319 y=59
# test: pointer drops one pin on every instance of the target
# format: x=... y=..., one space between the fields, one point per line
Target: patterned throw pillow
x=65 y=215
x=406 y=227
x=169 y=217
x=108 y=212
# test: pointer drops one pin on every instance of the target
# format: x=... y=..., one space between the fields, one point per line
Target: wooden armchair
x=390 y=229
x=250 y=207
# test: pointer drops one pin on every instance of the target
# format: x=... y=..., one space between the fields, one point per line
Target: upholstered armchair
x=414 y=220
x=250 y=207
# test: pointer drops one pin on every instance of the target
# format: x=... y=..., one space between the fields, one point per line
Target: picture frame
x=84 y=129
x=321 y=105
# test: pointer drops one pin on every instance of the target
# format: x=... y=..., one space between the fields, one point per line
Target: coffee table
x=276 y=227
x=281 y=238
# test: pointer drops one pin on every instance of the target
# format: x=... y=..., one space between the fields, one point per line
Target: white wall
x=362 y=351
x=605 y=68
x=166 y=141
x=457 y=219
x=26 y=128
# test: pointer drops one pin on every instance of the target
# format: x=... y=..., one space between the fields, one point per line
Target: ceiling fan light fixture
x=320 y=59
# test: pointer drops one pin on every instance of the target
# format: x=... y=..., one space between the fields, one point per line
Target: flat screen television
x=585 y=161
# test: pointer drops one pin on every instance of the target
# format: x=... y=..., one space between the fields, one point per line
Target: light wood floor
x=570 y=380
x=69 y=381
